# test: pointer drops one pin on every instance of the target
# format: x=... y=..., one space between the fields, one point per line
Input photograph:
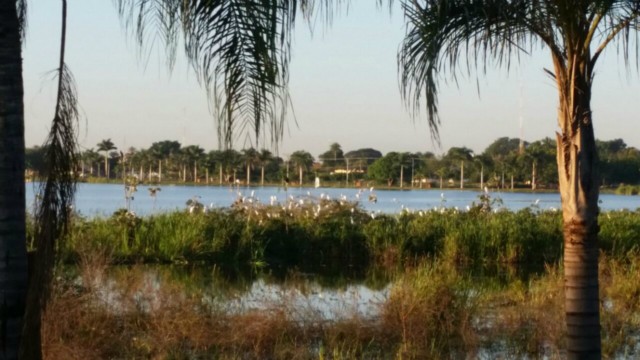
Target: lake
x=104 y=199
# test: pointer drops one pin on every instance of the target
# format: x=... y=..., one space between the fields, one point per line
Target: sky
x=343 y=83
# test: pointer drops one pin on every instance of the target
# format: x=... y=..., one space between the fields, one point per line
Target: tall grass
x=331 y=232
x=433 y=311
x=429 y=313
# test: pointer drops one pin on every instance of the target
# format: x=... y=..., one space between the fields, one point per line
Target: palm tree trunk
x=195 y=172
x=461 y=174
x=248 y=174
x=300 y=175
x=401 y=176
x=481 y=177
x=262 y=176
x=13 y=255
x=578 y=180
x=160 y=170
x=106 y=166
x=533 y=176
x=220 y=176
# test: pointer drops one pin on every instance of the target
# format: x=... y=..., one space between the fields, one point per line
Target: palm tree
x=193 y=154
x=106 y=146
x=576 y=32
x=162 y=151
x=214 y=158
x=264 y=158
x=91 y=157
x=250 y=157
x=481 y=160
x=461 y=154
x=13 y=254
x=303 y=161
x=229 y=160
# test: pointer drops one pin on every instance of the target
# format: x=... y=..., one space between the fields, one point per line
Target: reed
x=331 y=232
x=433 y=310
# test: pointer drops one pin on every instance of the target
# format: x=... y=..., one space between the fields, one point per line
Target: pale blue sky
x=344 y=87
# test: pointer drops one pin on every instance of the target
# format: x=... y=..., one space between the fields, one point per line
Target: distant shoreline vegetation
x=507 y=163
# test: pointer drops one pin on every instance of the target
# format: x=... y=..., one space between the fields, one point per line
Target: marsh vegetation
x=328 y=280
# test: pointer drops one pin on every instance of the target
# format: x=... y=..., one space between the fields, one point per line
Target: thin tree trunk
x=401 y=176
x=106 y=165
x=578 y=180
x=160 y=170
x=220 y=176
x=248 y=175
x=481 y=177
x=461 y=174
x=207 y=174
x=300 y=175
x=13 y=255
x=262 y=176
x=533 y=176
x=195 y=172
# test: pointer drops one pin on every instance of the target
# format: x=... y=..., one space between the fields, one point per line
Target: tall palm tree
x=161 y=151
x=461 y=154
x=264 y=158
x=106 y=146
x=90 y=158
x=13 y=255
x=481 y=161
x=250 y=157
x=303 y=161
x=193 y=154
x=230 y=160
x=443 y=34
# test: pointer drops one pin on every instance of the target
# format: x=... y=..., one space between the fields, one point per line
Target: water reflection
x=512 y=312
x=322 y=296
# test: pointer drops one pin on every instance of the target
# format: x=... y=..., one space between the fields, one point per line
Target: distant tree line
x=505 y=163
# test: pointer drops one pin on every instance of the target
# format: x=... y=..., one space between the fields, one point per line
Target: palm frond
x=239 y=49
x=56 y=192
x=442 y=35
x=55 y=195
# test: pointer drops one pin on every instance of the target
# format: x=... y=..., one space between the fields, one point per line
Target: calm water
x=104 y=199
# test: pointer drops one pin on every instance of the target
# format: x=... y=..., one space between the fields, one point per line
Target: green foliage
x=428 y=312
x=619 y=232
x=331 y=232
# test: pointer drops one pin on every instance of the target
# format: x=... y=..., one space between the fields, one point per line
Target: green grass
x=344 y=234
